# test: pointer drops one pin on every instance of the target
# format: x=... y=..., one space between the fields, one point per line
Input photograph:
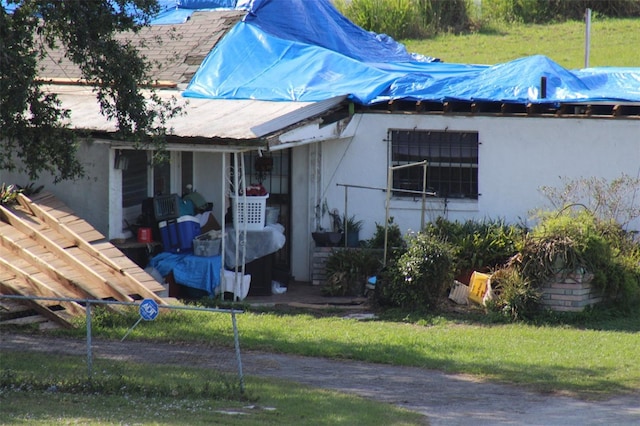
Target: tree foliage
x=34 y=131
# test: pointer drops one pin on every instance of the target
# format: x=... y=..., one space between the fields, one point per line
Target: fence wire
x=149 y=310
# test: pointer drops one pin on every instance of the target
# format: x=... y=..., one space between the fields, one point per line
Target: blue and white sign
x=148 y=309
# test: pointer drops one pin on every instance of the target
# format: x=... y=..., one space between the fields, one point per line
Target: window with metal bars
x=452 y=162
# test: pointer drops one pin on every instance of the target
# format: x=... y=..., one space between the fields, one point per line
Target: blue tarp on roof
x=249 y=64
x=179 y=11
x=305 y=50
x=297 y=50
x=318 y=23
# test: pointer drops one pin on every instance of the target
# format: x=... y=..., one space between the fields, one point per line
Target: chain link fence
x=125 y=349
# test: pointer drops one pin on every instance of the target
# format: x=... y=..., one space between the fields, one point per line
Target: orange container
x=144 y=235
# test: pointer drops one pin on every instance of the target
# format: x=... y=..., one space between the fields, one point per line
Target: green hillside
x=614 y=42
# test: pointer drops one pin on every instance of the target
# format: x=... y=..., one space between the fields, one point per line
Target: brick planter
x=570 y=293
x=320 y=256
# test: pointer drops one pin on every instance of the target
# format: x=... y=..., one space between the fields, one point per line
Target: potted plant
x=327 y=237
x=352 y=228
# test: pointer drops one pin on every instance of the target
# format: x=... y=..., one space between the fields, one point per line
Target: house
x=335 y=109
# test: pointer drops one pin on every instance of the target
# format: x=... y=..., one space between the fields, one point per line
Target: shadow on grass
x=582 y=382
x=600 y=319
x=489 y=29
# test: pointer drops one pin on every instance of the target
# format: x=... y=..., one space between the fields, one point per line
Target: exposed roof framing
x=47 y=251
x=628 y=110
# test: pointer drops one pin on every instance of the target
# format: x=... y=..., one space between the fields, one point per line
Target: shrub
x=347 y=271
x=606 y=199
x=513 y=296
x=479 y=245
x=565 y=242
x=395 y=240
x=420 y=276
x=8 y=194
x=545 y=11
x=406 y=18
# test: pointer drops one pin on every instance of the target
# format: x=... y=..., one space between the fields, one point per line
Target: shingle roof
x=175 y=50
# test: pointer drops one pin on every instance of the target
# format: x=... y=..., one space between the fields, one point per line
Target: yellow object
x=478 y=286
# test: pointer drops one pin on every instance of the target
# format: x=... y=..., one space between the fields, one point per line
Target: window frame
x=452 y=162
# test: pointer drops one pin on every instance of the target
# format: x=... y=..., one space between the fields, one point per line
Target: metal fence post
x=89 y=355
x=236 y=340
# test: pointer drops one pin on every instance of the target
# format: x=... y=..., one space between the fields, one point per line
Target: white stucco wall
x=89 y=196
x=517 y=155
x=208 y=180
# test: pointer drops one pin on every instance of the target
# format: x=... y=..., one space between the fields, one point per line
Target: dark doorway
x=272 y=170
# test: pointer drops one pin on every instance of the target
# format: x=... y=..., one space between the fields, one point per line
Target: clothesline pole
x=223 y=203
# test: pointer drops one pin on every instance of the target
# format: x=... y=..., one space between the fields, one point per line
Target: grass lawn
x=52 y=391
x=590 y=359
x=614 y=42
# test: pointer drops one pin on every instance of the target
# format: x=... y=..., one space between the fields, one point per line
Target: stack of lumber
x=47 y=251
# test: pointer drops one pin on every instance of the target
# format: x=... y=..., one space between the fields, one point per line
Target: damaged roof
x=175 y=51
x=49 y=252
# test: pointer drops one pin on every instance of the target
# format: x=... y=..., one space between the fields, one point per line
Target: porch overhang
x=313 y=132
x=207 y=125
x=320 y=121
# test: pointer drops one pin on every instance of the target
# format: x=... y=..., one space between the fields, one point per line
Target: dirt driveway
x=443 y=398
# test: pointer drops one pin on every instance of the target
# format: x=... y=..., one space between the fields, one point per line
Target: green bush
x=8 y=194
x=513 y=296
x=415 y=19
x=569 y=241
x=478 y=245
x=546 y=11
x=406 y=18
x=420 y=276
x=395 y=240
x=347 y=271
x=522 y=261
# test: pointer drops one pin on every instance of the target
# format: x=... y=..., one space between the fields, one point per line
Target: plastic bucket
x=272 y=215
x=144 y=235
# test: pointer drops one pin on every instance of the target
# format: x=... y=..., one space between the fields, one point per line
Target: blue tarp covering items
x=192 y=271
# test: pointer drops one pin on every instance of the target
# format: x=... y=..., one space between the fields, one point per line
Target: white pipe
x=223 y=203
x=587 y=40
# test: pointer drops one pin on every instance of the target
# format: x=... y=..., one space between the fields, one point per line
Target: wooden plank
x=35 y=260
x=63 y=214
x=32 y=319
x=69 y=285
x=38 y=288
x=8 y=287
x=87 y=248
x=11 y=306
x=115 y=278
x=66 y=309
x=51 y=202
x=90 y=276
